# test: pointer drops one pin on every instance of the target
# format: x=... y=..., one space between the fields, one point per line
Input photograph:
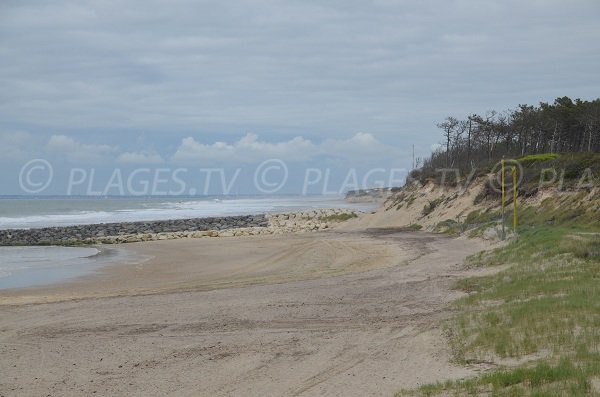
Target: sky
x=326 y=85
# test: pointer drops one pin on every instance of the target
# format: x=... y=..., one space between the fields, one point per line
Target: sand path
x=242 y=317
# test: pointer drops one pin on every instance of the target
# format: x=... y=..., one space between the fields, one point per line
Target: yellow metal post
x=514 y=175
x=503 y=221
x=502 y=162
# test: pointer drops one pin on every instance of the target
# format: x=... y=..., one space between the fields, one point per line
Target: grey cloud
x=360 y=149
x=78 y=152
x=330 y=67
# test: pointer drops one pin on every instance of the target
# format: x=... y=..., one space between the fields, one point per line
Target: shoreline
x=60 y=267
x=139 y=269
x=129 y=232
x=350 y=311
x=298 y=222
x=186 y=265
x=350 y=308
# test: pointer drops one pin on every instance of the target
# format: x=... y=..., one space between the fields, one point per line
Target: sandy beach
x=348 y=313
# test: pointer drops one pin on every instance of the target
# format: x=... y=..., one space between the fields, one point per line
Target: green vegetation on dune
x=539 y=157
x=338 y=217
x=449 y=226
x=543 y=309
x=431 y=206
x=565 y=172
x=564 y=378
x=536 y=322
x=547 y=301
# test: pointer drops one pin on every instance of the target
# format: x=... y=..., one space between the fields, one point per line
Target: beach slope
x=338 y=313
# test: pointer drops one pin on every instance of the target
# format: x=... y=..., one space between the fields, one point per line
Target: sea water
x=31 y=266
x=25 y=213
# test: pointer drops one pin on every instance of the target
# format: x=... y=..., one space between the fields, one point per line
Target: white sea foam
x=45 y=213
x=27 y=266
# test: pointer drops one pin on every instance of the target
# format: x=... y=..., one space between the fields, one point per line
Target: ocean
x=32 y=266
x=24 y=213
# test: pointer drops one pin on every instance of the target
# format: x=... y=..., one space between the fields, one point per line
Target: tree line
x=563 y=126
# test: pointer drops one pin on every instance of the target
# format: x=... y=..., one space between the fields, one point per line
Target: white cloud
x=296 y=149
x=140 y=158
x=246 y=150
x=360 y=148
x=191 y=151
x=357 y=150
x=77 y=152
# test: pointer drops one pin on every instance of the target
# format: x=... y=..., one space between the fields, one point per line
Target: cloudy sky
x=108 y=84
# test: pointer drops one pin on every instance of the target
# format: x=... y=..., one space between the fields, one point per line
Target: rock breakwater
x=129 y=232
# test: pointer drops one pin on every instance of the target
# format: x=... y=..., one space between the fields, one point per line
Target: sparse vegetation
x=449 y=226
x=430 y=207
x=538 y=157
x=338 y=217
x=569 y=171
x=537 y=321
x=563 y=378
x=542 y=311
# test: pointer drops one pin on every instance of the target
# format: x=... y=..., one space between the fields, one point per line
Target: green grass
x=548 y=301
x=338 y=217
x=564 y=378
x=542 y=309
x=449 y=226
x=539 y=157
x=565 y=171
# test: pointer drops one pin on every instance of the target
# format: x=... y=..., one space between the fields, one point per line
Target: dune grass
x=338 y=217
x=539 y=157
x=565 y=378
x=549 y=300
x=537 y=322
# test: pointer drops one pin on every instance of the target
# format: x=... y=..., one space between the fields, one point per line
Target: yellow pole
x=502 y=162
x=514 y=174
x=503 y=222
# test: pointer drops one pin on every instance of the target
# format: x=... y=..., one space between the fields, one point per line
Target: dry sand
x=342 y=313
